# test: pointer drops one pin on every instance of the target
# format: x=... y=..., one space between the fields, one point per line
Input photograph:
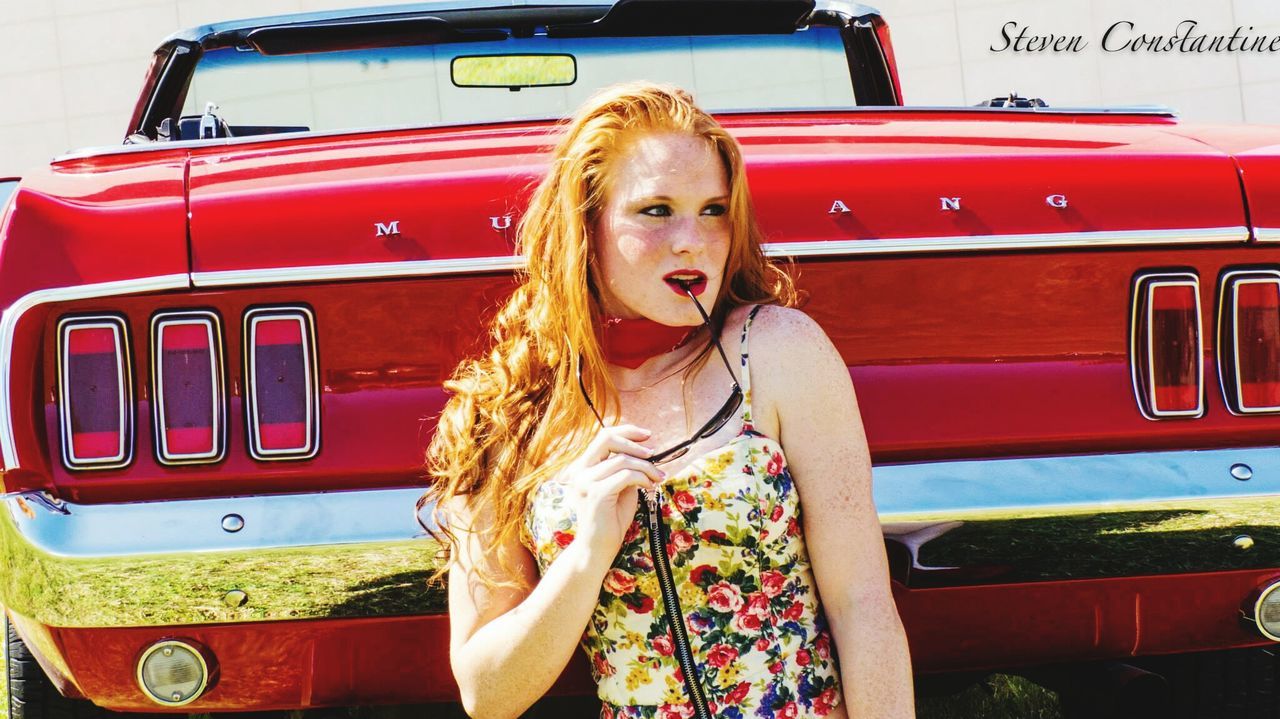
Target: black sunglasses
x=713 y=425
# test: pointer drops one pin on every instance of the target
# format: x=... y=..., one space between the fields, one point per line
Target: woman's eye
x=715 y=210
x=656 y=211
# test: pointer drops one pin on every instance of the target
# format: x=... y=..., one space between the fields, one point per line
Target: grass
x=1001 y=696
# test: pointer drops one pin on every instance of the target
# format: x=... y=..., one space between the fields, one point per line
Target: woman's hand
x=602 y=483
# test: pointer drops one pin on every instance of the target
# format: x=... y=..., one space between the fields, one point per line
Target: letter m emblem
x=389 y=228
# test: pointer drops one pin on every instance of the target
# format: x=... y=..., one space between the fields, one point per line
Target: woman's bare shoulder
x=789 y=352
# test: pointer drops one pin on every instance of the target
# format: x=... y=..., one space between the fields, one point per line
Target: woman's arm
x=821 y=430
x=509 y=644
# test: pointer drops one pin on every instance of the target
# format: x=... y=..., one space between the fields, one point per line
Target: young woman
x=607 y=476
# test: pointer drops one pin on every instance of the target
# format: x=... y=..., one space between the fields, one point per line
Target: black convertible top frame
x=480 y=21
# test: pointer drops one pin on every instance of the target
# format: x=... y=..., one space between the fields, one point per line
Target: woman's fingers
x=625 y=463
x=588 y=481
x=618 y=439
x=619 y=482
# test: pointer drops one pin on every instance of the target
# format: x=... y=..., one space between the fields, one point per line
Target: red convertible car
x=223 y=343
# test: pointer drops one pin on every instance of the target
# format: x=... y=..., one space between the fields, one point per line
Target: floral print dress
x=758 y=634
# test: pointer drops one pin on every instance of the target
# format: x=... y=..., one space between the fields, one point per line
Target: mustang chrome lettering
x=500 y=223
x=950 y=203
x=391 y=228
x=838 y=207
x=1058 y=201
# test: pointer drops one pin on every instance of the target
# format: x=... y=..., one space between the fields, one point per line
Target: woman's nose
x=686 y=235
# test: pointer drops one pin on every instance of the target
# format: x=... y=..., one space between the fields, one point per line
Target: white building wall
x=70 y=70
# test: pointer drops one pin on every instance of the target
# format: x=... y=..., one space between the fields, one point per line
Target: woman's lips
x=697 y=286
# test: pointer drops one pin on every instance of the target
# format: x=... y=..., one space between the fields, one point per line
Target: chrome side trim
x=1267 y=234
x=822 y=248
x=13 y=314
x=124 y=387
x=1117 y=238
x=213 y=326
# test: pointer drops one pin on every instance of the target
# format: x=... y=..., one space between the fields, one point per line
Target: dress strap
x=745 y=381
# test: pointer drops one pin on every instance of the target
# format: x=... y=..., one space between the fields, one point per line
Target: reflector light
x=95 y=392
x=282 y=383
x=173 y=673
x=187 y=374
x=1166 y=354
x=1266 y=612
x=1249 y=340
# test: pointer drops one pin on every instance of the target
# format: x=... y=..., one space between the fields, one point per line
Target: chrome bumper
x=301 y=556
x=362 y=554
x=1081 y=517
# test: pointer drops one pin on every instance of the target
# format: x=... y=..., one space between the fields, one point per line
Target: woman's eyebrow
x=664 y=198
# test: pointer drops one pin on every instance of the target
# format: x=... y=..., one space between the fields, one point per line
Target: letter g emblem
x=1058 y=201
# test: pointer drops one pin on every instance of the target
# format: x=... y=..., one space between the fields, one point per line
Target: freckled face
x=665 y=212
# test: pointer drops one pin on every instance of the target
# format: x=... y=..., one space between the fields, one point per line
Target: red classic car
x=223 y=342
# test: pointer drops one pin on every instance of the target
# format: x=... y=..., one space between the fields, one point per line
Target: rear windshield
x=398 y=86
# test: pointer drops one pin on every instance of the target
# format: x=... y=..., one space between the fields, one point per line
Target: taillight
x=1166 y=353
x=95 y=392
x=1249 y=340
x=188 y=387
x=282 y=387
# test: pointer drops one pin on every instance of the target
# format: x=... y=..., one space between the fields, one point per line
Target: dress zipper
x=671 y=602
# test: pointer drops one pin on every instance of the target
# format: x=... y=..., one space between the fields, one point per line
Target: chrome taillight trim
x=1231 y=280
x=1144 y=287
x=306 y=320
x=213 y=324
x=124 y=379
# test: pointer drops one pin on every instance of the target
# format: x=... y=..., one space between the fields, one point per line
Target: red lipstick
x=695 y=280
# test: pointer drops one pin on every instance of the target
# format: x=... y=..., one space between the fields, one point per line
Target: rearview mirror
x=513 y=71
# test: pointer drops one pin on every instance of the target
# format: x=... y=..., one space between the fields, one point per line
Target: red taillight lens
x=1167 y=356
x=187 y=378
x=1249 y=340
x=95 y=391
x=282 y=384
